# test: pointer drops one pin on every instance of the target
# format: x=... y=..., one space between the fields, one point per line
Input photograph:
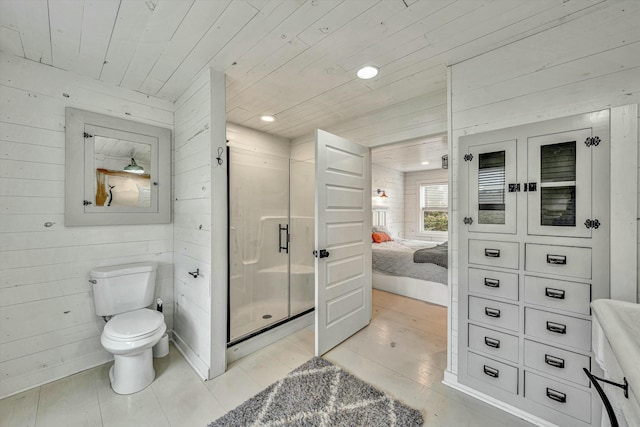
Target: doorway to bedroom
x=410 y=204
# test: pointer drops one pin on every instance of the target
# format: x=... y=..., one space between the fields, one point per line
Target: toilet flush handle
x=92 y=281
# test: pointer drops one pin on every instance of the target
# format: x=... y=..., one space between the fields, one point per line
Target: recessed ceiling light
x=425 y=163
x=368 y=72
x=266 y=118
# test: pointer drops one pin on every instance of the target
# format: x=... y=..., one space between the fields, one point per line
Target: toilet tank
x=121 y=288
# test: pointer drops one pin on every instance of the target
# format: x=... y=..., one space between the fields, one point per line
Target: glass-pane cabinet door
x=492 y=206
x=559 y=184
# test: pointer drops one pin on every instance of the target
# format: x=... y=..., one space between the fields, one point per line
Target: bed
x=394 y=270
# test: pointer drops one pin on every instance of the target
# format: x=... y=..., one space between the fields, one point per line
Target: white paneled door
x=342 y=239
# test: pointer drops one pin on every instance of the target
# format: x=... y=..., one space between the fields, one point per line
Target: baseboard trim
x=451 y=380
x=31 y=380
x=191 y=357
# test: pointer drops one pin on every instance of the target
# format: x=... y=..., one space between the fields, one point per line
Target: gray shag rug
x=319 y=393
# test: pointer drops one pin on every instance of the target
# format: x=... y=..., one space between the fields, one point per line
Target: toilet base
x=130 y=374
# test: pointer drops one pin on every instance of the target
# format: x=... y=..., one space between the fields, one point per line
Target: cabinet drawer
x=566 y=399
x=558 y=328
x=495 y=254
x=492 y=372
x=494 y=283
x=558 y=260
x=557 y=362
x=494 y=313
x=569 y=296
x=493 y=342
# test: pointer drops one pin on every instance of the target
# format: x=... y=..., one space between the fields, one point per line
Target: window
x=434 y=207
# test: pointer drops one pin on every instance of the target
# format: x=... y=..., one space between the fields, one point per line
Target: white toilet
x=123 y=291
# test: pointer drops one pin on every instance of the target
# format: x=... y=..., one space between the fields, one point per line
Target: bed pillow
x=380 y=237
x=381 y=229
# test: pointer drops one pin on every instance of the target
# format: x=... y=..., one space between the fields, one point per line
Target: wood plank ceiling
x=294 y=59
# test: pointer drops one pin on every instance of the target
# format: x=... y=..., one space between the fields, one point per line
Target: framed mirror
x=116 y=171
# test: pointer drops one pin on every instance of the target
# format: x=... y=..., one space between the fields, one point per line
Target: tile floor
x=402 y=351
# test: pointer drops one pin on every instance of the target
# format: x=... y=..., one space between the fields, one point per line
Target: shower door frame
x=289 y=318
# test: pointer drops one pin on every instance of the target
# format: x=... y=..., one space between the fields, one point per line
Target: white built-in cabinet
x=534 y=252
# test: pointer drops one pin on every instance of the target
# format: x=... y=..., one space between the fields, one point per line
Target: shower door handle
x=286 y=240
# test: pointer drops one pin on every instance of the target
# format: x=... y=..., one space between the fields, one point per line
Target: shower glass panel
x=258 y=207
x=270 y=241
x=302 y=237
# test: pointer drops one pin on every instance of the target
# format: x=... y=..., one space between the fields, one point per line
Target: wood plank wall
x=192 y=223
x=392 y=182
x=48 y=326
x=411 y=203
x=562 y=71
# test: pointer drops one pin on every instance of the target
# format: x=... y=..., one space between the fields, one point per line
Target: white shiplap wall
x=411 y=203
x=48 y=326
x=392 y=182
x=192 y=223
x=562 y=71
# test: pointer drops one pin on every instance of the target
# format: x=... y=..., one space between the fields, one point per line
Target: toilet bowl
x=122 y=293
x=130 y=337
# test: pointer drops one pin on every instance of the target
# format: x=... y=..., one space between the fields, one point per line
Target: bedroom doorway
x=410 y=204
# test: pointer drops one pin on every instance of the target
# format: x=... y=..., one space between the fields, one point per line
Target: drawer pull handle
x=492 y=342
x=492 y=312
x=556 y=395
x=554 y=293
x=492 y=372
x=492 y=253
x=558 y=328
x=556 y=362
x=557 y=259
x=492 y=283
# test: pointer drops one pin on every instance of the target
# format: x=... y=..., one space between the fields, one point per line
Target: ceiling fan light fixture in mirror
x=134 y=167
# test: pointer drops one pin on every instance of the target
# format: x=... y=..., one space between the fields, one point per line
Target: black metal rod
x=603 y=396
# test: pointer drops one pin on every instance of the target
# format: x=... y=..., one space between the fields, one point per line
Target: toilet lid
x=134 y=324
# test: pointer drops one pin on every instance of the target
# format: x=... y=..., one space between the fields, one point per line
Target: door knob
x=322 y=254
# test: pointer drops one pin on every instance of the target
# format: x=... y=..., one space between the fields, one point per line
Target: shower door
x=258 y=241
x=302 y=206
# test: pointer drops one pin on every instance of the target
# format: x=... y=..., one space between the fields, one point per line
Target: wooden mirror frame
x=81 y=213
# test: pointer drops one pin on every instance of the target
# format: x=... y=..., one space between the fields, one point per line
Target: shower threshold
x=268 y=328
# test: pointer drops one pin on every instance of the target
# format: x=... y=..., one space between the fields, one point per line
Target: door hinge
x=592 y=223
x=592 y=141
x=468 y=157
x=467 y=220
x=87 y=135
x=86 y=202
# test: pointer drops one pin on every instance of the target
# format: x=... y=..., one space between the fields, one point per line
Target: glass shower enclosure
x=271 y=212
